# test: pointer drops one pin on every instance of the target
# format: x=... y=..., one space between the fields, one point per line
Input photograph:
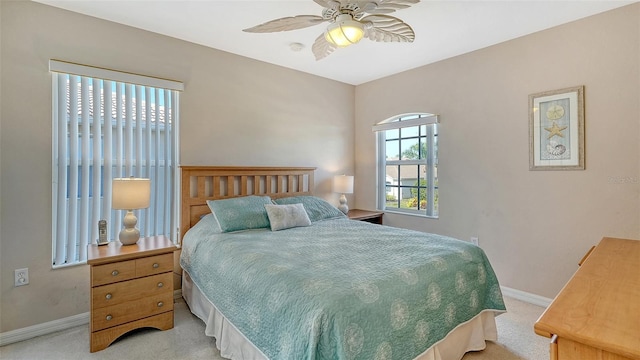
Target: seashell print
x=557 y=149
x=353 y=340
x=422 y=332
x=450 y=314
x=367 y=292
x=399 y=314
x=384 y=351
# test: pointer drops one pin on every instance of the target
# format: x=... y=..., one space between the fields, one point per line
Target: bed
x=311 y=284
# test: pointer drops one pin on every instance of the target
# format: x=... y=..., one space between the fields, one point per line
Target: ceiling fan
x=349 y=21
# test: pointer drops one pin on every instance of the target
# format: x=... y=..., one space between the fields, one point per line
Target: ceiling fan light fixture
x=344 y=31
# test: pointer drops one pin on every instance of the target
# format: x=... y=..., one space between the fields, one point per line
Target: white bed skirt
x=469 y=336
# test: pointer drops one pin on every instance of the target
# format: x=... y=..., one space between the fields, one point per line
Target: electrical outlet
x=474 y=241
x=21 y=276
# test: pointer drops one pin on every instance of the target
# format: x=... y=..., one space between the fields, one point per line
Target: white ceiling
x=444 y=28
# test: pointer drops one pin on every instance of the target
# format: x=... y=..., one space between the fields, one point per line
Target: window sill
x=387 y=211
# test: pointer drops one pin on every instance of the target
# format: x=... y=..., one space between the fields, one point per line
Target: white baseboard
x=177 y=294
x=526 y=297
x=30 y=332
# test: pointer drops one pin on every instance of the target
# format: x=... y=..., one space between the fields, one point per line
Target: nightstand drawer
x=154 y=264
x=114 y=272
x=129 y=311
x=113 y=294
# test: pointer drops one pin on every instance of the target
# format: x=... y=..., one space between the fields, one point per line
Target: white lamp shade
x=131 y=193
x=344 y=31
x=343 y=184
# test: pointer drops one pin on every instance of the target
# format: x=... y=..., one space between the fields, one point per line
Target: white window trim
x=118 y=76
x=392 y=124
x=386 y=125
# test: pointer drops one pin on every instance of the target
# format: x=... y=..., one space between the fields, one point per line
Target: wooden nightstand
x=374 y=217
x=131 y=288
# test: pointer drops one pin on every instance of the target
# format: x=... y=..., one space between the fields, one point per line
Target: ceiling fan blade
x=329 y=4
x=386 y=6
x=286 y=24
x=387 y=29
x=322 y=48
x=380 y=11
x=397 y=2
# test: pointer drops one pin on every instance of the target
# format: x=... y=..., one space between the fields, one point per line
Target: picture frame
x=556 y=129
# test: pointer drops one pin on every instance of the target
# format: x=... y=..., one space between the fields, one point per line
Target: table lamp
x=130 y=194
x=343 y=184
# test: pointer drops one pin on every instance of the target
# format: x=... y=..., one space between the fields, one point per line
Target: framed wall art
x=556 y=129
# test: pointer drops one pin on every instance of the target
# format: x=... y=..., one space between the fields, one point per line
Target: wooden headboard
x=202 y=183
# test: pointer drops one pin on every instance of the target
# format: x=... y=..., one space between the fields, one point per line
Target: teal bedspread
x=341 y=289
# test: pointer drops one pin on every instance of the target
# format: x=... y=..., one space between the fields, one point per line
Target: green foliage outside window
x=412 y=152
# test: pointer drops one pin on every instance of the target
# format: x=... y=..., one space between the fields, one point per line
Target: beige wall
x=234 y=111
x=535 y=226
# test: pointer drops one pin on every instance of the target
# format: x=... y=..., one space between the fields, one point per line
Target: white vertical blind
x=72 y=197
x=107 y=159
x=98 y=120
x=85 y=165
x=102 y=130
x=59 y=169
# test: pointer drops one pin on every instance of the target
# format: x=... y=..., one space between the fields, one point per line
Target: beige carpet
x=187 y=341
x=516 y=339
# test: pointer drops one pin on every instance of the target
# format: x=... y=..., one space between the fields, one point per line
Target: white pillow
x=287 y=216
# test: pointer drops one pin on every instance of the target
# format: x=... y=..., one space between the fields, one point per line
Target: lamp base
x=130 y=234
x=343 y=204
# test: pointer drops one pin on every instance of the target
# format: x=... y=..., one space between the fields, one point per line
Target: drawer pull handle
x=156 y=265
x=115 y=272
x=160 y=304
x=108 y=296
x=160 y=284
x=109 y=317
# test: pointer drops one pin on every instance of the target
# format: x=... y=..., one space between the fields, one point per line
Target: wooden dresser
x=597 y=313
x=131 y=288
x=374 y=217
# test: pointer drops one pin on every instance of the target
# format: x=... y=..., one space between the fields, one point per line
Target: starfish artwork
x=555 y=130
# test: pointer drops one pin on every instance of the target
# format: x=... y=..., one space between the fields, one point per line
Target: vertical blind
x=109 y=125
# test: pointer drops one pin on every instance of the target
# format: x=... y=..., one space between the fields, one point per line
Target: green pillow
x=240 y=213
x=317 y=208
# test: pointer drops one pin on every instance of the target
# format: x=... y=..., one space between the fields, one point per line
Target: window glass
x=408 y=156
x=409 y=148
x=392 y=149
x=392 y=134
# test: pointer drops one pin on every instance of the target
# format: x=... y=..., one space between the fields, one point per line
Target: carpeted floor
x=516 y=341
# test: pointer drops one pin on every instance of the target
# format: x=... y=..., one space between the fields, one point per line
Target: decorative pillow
x=317 y=208
x=210 y=222
x=287 y=216
x=240 y=213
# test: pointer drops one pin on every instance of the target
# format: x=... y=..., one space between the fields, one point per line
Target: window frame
x=90 y=77
x=430 y=161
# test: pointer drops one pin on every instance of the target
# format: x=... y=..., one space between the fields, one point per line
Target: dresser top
x=115 y=251
x=600 y=305
x=357 y=214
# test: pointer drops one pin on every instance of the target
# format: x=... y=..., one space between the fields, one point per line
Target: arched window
x=408 y=164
